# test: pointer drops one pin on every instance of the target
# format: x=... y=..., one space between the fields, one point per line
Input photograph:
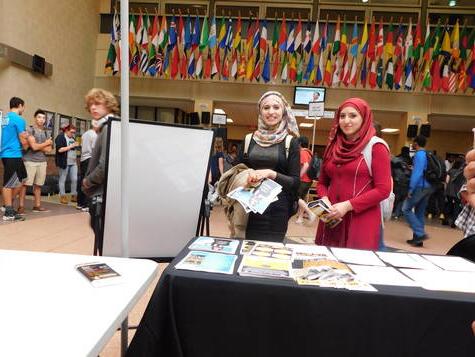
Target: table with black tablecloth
x=196 y=314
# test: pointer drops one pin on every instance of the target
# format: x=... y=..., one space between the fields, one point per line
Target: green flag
x=204 y=34
x=437 y=39
x=390 y=74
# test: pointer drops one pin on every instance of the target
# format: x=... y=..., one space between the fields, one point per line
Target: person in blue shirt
x=14 y=140
x=414 y=206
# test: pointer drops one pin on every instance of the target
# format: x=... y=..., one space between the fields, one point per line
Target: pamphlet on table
x=278 y=251
x=99 y=274
x=208 y=261
x=220 y=245
x=263 y=267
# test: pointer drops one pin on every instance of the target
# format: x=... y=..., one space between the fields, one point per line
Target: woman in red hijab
x=346 y=183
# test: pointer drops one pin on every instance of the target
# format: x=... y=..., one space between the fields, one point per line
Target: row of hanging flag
x=385 y=58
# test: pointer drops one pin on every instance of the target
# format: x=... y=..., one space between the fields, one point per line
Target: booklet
x=271 y=250
x=257 y=199
x=406 y=260
x=321 y=210
x=208 y=261
x=310 y=252
x=381 y=275
x=211 y=244
x=331 y=276
x=99 y=274
x=452 y=263
x=357 y=256
x=263 y=267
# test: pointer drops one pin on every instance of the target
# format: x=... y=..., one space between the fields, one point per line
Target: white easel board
x=167 y=174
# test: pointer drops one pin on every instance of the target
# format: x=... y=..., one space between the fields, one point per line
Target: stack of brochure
x=267 y=260
x=257 y=199
x=321 y=209
x=206 y=255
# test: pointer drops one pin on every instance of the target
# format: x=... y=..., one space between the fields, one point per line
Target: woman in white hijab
x=272 y=156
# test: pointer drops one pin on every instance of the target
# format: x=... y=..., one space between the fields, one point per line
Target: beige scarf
x=266 y=136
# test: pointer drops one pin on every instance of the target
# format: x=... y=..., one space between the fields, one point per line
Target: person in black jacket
x=268 y=157
x=66 y=161
x=101 y=104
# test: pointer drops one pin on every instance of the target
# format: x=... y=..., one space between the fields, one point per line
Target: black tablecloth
x=206 y=315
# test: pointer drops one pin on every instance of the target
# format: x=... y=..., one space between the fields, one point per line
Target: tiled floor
x=66 y=230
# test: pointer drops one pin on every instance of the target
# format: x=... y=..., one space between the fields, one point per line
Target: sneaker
x=63 y=200
x=13 y=216
x=85 y=209
x=415 y=242
x=21 y=210
x=40 y=209
x=2 y=209
x=79 y=207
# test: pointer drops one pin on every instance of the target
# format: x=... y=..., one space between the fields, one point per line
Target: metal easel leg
x=124 y=330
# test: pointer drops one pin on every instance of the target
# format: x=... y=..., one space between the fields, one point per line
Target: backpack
x=387 y=204
x=400 y=171
x=313 y=170
x=435 y=171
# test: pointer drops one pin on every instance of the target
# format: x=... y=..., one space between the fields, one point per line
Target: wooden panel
x=192 y=9
x=236 y=10
x=333 y=15
x=290 y=13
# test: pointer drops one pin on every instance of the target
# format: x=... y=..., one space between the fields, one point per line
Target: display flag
x=234 y=65
x=464 y=43
x=212 y=40
x=455 y=39
x=298 y=36
x=418 y=41
x=409 y=75
x=187 y=33
x=372 y=40
x=323 y=39
x=389 y=46
x=175 y=62
x=275 y=38
x=242 y=68
x=307 y=42
x=364 y=39
x=336 y=73
x=316 y=39
x=266 y=69
x=327 y=77
x=195 y=36
x=256 y=36
x=344 y=41
x=291 y=38
x=293 y=67
x=256 y=74
x=427 y=79
x=427 y=43
x=181 y=32
x=363 y=72
x=204 y=37
x=222 y=34
x=435 y=72
x=345 y=74
x=229 y=35
x=172 y=33
x=263 y=39
x=446 y=49
x=445 y=77
x=337 y=38
x=152 y=53
x=379 y=73
x=283 y=36
x=163 y=35
x=389 y=80
x=408 y=43
x=159 y=61
x=354 y=40
x=284 y=71
x=398 y=73
x=320 y=68
x=437 y=40
x=275 y=66
x=191 y=65
x=237 y=38
x=300 y=70
x=462 y=78
x=310 y=66
x=452 y=82
x=250 y=66
x=354 y=72
x=372 y=75
x=215 y=68
x=207 y=69
x=380 y=39
x=183 y=66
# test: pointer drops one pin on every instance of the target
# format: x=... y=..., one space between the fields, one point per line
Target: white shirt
x=88 y=139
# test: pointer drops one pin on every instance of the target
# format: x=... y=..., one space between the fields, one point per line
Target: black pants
x=97 y=223
x=83 y=201
x=465 y=248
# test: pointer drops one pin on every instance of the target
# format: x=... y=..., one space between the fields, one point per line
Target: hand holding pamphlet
x=322 y=209
x=257 y=199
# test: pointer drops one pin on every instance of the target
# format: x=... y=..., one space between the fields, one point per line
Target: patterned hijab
x=266 y=136
x=339 y=148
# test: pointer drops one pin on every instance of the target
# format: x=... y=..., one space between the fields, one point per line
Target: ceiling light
x=452 y=3
x=390 y=130
x=365 y=1
x=306 y=125
x=313 y=118
x=229 y=120
x=219 y=111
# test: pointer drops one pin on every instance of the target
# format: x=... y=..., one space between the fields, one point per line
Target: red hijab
x=341 y=150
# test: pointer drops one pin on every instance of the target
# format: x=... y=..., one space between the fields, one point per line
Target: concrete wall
x=64 y=33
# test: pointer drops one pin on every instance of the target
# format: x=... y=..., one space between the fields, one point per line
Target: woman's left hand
x=338 y=210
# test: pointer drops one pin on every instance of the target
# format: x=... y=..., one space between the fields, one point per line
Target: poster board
x=167 y=173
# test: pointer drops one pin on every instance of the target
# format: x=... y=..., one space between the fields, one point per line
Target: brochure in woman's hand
x=257 y=199
x=321 y=209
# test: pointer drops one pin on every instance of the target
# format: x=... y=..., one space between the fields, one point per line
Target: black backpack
x=435 y=172
x=313 y=170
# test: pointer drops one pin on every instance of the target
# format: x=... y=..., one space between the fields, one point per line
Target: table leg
x=124 y=330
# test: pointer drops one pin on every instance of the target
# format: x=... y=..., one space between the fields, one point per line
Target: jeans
x=72 y=170
x=418 y=201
